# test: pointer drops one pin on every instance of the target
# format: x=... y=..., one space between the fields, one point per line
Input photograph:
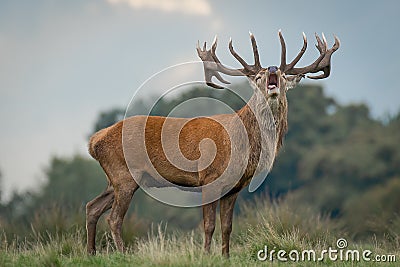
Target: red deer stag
x=270 y=86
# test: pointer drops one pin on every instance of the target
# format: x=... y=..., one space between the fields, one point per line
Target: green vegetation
x=277 y=224
x=337 y=176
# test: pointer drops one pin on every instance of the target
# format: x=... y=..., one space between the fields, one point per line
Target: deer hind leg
x=227 y=203
x=94 y=209
x=123 y=195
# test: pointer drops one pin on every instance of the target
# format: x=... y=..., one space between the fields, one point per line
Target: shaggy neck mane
x=263 y=109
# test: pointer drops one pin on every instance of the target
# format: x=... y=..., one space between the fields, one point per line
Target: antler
x=322 y=63
x=213 y=66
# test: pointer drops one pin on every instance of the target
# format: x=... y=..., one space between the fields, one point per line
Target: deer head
x=272 y=81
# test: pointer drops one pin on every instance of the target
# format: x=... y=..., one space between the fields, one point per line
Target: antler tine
x=321 y=46
x=236 y=55
x=255 y=51
x=283 y=51
x=324 y=40
x=325 y=74
x=336 y=45
x=214 y=44
x=300 y=54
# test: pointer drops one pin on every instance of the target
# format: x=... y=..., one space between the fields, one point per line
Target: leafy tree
x=375 y=210
x=108 y=118
x=73 y=182
x=164 y=106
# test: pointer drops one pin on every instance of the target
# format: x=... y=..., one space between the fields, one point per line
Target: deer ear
x=293 y=80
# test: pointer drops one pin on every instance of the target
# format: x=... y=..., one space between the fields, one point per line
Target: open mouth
x=273 y=84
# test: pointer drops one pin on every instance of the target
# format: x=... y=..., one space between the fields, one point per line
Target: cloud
x=189 y=7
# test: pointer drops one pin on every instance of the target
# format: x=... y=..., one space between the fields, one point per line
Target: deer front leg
x=209 y=211
x=226 y=214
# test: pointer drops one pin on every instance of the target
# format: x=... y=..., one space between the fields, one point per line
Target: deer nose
x=272 y=69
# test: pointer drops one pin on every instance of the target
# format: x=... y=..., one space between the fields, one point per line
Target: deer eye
x=258 y=79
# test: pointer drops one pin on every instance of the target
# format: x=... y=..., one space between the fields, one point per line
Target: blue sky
x=61 y=62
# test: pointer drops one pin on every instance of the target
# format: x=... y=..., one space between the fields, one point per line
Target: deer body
x=256 y=131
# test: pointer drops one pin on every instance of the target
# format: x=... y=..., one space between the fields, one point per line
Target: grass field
x=276 y=226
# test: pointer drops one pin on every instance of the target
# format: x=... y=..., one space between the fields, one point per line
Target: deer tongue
x=274 y=90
